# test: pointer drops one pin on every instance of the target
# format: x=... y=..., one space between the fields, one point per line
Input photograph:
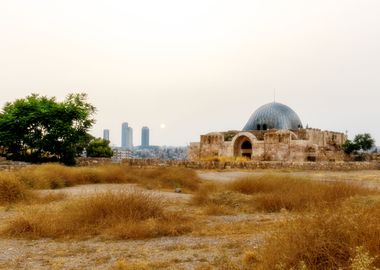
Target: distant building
x=274 y=132
x=126 y=136
x=145 y=137
x=106 y=134
x=130 y=138
x=120 y=153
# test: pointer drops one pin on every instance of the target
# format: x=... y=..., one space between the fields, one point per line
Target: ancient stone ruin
x=273 y=133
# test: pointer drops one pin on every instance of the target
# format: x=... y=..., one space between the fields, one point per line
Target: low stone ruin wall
x=375 y=157
x=84 y=161
x=215 y=165
x=6 y=165
x=251 y=165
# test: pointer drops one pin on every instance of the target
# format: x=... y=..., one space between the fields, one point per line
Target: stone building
x=274 y=132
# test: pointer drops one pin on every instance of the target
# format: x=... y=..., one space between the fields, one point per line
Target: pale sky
x=197 y=66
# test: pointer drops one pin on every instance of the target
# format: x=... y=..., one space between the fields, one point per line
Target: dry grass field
x=117 y=217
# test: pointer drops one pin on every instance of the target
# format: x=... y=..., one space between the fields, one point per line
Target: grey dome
x=273 y=116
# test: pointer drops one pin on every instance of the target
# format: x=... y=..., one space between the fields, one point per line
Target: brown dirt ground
x=214 y=235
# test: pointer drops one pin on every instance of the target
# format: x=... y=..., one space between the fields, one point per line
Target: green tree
x=99 y=148
x=350 y=147
x=364 y=141
x=358 y=147
x=38 y=128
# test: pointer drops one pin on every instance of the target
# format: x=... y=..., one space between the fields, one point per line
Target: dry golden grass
x=11 y=189
x=45 y=198
x=169 y=177
x=123 y=265
x=113 y=215
x=327 y=225
x=345 y=237
x=217 y=200
x=272 y=193
x=303 y=195
x=52 y=176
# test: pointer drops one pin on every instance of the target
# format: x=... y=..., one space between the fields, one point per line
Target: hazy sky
x=197 y=66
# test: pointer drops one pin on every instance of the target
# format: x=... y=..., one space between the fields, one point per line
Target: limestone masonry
x=273 y=133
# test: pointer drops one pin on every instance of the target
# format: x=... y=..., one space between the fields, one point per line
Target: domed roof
x=273 y=116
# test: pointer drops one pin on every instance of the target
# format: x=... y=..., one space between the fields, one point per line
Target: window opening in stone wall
x=258 y=127
x=265 y=127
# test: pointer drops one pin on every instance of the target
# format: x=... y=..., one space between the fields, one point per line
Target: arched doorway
x=246 y=149
x=242 y=147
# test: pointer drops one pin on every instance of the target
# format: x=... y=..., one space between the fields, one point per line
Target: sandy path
x=183 y=252
x=91 y=189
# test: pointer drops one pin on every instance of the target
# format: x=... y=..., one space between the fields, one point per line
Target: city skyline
x=125 y=136
x=145 y=136
x=188 y=68
x=106 y=134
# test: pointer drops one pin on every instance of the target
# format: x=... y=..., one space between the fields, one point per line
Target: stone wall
x=252 y=165
x=193 y=153
x=215 y=165
x=211 y=144
x=321 y=138
x=8 y=165
x=375 y=156
x=258 y=150
x=87 y=161
x=273 y=145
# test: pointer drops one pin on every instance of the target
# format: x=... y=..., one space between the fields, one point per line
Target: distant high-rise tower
x=124 y=135
x=106 y=134
x=145 y=137
x=130 y=138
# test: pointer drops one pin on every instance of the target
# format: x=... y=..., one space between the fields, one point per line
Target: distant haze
x=184 y=68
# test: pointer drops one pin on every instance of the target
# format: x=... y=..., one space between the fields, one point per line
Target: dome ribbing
x=273 y=116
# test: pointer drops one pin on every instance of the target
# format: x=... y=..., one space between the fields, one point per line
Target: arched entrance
x=246 y=149
x=243 y=147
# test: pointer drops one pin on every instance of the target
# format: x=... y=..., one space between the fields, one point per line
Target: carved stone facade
x=271 y=145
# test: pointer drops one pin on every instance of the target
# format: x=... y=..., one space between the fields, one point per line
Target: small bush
x=216 y=200
x=266 y=183
x=171 y=177
x=117 y=215
x=123 y=265
x=45 y=198
x=250 y=258
x=52 y=176
x=48 y=176
x=201 y=197
x=11 y=189
x=270 y=193
x=273 y=193
x=327 y=239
